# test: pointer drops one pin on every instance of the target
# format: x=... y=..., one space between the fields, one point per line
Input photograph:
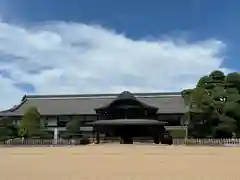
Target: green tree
x=233 y=80
x=213 y=105
x=203 y=81
x=7 y=129
x=4 y=131
x=73 y=128
x=30 y=123
x=217 y=77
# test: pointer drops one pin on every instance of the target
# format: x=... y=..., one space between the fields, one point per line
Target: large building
x=56 y=110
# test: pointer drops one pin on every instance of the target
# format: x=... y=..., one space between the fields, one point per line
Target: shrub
x=47 y=135
x=64 y=135
x=85 y=140
x=42 y=135
x=68 y=135
x=167 y=139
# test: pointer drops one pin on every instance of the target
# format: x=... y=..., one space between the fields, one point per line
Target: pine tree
x=30 y=123
x=73 y=128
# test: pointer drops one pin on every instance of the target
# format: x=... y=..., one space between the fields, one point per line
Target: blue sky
x=105 y=45
x=196 y=19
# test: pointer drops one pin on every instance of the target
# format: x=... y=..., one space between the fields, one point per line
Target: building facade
x=57 y=110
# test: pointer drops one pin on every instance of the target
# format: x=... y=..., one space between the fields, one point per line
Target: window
x=16 y=121
x=63 y=118
x=62 y=121
x=52 y=121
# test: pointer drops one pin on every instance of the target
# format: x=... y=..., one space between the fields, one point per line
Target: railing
x=41 y=142
x=207 y=142
x=199 y=142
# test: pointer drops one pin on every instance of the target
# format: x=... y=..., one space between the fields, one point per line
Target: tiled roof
x=87 y=103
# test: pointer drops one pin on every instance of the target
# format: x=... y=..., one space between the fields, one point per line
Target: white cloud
x=77 y=58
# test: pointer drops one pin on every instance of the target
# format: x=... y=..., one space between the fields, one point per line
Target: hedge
x=177 y=132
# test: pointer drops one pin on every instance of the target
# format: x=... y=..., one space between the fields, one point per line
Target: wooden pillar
x=93 y=134
x=97 y=136
x=186 y=126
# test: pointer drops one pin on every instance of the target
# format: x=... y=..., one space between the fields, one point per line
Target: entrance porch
x=126 y=117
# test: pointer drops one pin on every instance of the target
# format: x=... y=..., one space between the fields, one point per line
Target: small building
x=57 y=110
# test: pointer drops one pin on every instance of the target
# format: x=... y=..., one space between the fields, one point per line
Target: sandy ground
x=120 y=162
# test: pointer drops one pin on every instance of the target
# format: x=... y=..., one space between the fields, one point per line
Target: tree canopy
x=73 y=128
x=30 y=124
x=213 y=106
x=8 y=129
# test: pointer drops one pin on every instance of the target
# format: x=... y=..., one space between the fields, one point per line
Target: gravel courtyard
x=120 y=162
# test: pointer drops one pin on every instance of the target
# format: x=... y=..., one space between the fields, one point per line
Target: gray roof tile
x=86 y=104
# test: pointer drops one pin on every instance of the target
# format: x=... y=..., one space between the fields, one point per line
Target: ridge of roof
x=109 y=95
x=125 y=95
x=86 y=103
x=14 y=108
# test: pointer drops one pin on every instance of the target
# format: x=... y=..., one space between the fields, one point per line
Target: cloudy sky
x=93 y=46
